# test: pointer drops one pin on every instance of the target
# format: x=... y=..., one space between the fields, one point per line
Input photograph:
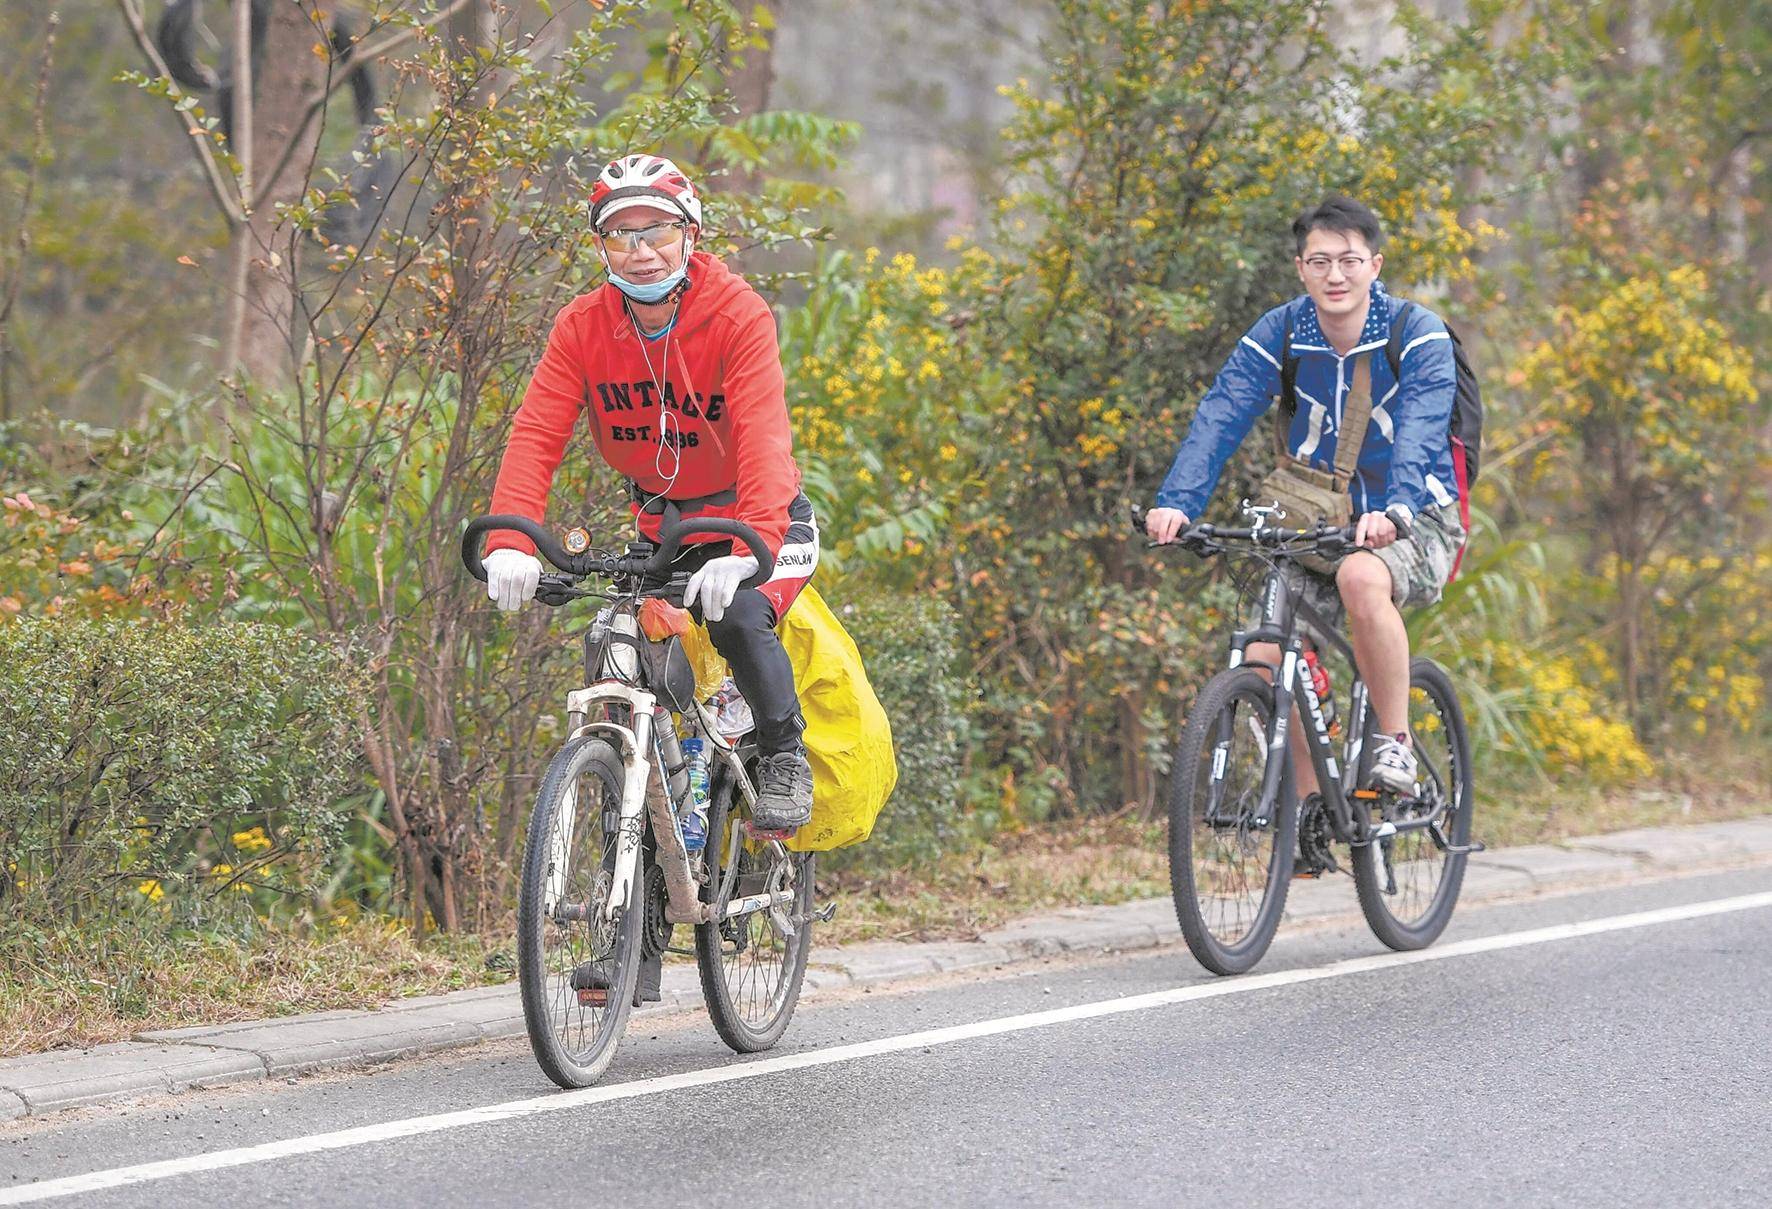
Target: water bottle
x=695 y=819
x=670 y=753
x=1325 y=699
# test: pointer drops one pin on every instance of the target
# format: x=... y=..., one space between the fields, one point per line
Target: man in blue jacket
x=1404 y=489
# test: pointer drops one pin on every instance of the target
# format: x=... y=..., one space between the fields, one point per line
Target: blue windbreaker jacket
x=1407 y=455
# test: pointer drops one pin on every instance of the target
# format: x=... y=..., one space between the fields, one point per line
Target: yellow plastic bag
x=848 y=736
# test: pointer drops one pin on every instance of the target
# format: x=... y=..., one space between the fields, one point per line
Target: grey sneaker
x=784 y=792
x=1393 y=765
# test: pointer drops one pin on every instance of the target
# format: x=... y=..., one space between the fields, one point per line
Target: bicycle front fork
x=631 y=830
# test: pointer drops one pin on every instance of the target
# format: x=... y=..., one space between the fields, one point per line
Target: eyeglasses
x=659 y=235
x=1317 y=266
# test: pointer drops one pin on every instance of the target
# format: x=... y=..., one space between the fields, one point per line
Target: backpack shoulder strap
x=1288 y=368
x=1393 y=350
x=1288 y=390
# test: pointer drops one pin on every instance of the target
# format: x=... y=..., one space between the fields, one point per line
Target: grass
x=1719 y=786
x=66 y=988
x=72 y=989
x=1079 y=863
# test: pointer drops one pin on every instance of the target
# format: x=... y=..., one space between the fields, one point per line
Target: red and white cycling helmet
x=642 y=180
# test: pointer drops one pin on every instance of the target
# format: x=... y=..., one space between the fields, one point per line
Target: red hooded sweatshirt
x=722 y=387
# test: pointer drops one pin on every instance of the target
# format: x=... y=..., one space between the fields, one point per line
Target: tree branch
x=12 y=275
x=226 y=195
x=339 y=74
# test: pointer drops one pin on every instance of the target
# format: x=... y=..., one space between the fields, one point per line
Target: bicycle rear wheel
x=575 y=968
x=1408 y=883
x=752 y=964
x=1230 y=851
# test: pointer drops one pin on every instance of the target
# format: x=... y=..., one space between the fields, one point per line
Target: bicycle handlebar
x=1210 y=539
x=655 y=566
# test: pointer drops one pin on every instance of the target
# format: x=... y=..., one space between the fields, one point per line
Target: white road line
x=142 y=1173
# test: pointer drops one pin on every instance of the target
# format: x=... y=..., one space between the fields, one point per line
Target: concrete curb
x=166 y=1061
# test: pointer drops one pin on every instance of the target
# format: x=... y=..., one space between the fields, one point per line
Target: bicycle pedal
x=593 y=997
x=826 y=913
x=757 y=833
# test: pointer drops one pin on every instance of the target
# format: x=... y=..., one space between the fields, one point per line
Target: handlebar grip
x=545 y=543
x=671 y=538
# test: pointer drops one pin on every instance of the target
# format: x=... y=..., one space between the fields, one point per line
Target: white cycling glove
x=717 y=583
x=511 y=576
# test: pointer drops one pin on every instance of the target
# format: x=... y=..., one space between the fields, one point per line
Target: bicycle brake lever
x=556 y=590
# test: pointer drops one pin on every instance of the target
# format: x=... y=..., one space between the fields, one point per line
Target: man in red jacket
x=675 y=367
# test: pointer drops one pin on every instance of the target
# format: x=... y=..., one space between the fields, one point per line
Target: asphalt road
x=1630 y=1066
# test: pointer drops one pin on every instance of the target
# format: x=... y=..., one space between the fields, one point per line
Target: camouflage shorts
x=1420 y=565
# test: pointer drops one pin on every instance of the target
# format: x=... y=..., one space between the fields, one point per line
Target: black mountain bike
x=1236 y=829
x=606 y=876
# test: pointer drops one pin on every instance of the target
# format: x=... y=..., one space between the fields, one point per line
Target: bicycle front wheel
x=1409 y=882
x=752 y=963
x=576 y=967
x=1230 y=849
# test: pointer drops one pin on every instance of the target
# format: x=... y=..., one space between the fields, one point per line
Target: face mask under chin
x=650 y=291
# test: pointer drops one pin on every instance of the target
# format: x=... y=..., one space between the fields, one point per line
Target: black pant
x=745 y=637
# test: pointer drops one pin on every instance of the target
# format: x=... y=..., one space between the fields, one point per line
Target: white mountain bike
x=606 y=876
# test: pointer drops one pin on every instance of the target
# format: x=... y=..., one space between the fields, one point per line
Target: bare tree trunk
x=266 y=248
x=1630 y=642
x=12 y=267
x=750 y=77
x=1136 y=782
x=239 y=257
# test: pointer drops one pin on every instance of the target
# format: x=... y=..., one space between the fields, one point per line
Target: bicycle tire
x=744 y=1022
x=1217 y=718
x=554 y=1007
x=1389 y=874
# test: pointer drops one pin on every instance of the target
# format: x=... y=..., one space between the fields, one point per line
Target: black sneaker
x=592 y=979
x=784 y=792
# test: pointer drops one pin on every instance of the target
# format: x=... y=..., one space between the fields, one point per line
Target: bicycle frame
x=1280 y=615
x=646 y=795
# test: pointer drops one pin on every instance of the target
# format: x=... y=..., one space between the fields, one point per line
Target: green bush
x=912 y=650
x=154 y=766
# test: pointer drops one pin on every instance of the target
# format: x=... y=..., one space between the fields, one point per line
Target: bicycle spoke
x=575 y=962
x=580 y=937
x=1413 y=864
x=754 y=954
x=1232 y=849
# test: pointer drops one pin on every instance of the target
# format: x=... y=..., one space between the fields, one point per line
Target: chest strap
x=655 y=506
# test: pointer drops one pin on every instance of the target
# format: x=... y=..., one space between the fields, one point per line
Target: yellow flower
x=151 y=890
x=253 y=840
